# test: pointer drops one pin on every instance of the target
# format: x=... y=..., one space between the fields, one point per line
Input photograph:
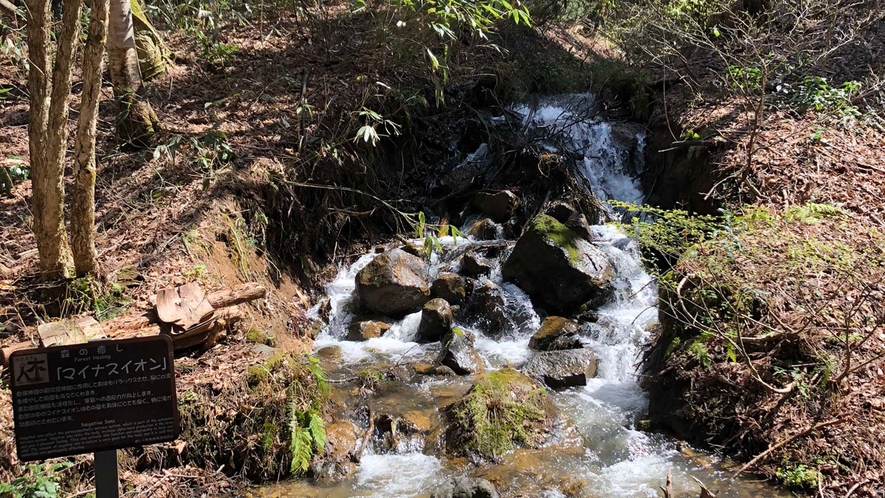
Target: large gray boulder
x=560 y=369
x=459 y=354
x=556 y=333
x=394 y=283
x=436 y=320
x=557 y=268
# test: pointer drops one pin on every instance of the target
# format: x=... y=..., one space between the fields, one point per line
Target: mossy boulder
x=557 y=268
x=394 y=283
x=556 y=333
x=449 y=286
x=436 y=320
x=504 y=409
x=560 y=369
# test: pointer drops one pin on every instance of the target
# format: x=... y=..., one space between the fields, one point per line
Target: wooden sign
x=91 y=397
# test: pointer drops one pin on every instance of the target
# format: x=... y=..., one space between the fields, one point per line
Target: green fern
x=317 y=371
x=317 y=431
x=300 y=444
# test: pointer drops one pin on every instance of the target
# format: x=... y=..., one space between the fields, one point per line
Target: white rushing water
x=619 y=461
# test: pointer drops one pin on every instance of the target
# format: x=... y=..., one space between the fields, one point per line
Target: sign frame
x=111 y=445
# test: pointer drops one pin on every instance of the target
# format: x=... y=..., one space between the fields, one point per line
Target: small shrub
x=36 y=481
x=799 y=477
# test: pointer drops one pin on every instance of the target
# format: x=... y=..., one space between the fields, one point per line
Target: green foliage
x=11 y=175
x=698 y=350
x=799 y=477
x=104 y=300
x=307 y=437
x=814 y=212
x=35 y=481
x=667 y=232
x=816 y=94
x=372 y=122
x=504 y=408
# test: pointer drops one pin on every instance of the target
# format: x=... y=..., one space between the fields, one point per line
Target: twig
x=855 y=488
x=802 y=433
x=356 y=458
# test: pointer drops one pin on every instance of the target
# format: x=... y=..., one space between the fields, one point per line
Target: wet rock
x=557 y=268
x=484 y=229
x=499 y=206
x=566 y=368
x=474 y=265
x=365 y=329
x=394 y=283
x=573 y=219
x=431 y=369
x=314 y=328
x=459 y=354
x=556 y=333
x=475 y=164
x=465 y=487
x=449 y=286
x=336 y=463
x=486 y=306
x=626 y=138
x=330 y=353
x=436 y=320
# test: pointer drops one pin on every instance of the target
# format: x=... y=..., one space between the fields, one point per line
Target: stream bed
x=612 y=458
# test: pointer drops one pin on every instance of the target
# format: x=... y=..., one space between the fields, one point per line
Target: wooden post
x=107 y=482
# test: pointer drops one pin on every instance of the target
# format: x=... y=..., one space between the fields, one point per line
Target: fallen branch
x=808 y=430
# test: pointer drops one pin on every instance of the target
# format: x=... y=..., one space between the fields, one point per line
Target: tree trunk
x=46 y=143
x=136 y=121
x=83 y=204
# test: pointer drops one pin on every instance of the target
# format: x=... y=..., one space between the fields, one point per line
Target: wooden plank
x=184 y=306
x=73 y=331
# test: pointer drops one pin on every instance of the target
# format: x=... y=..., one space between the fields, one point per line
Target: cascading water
x=618 y=461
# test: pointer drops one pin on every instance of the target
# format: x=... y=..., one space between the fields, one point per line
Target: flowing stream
x=616 y=460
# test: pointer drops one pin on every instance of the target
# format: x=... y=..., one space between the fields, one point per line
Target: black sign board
x=96 y=396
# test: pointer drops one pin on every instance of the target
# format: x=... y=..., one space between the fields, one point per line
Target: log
x=12 y=348
x=236 y=295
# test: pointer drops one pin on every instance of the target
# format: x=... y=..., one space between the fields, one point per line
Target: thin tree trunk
x=83 y=204
x=47 y=171
x=136 y=121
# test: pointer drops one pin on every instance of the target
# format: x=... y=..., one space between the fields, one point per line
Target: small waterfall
x=619 y=461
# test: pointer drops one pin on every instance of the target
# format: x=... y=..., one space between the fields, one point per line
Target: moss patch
x=557 y=234
x=503 y=410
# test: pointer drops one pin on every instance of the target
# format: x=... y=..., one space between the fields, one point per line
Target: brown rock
x=449 y=286
x=394 y=283
x=499 y=206
x=363 y=330
x=436 y=320
x=556 y=333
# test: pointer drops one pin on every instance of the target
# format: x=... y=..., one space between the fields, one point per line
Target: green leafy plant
x=816 y=94
x=799 y=477
x=36 y=481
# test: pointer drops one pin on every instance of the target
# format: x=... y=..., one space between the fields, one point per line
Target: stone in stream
x=367 y=328
x=466 y=487
x=394 y=283
x=557 y=268
x=431 y=369
x=499 y=206
x=486 y=306
x=436 y=320
x=556 y=333
x=449 y=286
x=459 y=354
x=566 y=368
x=483 y=229
x=474 y=265
x=336 y=463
